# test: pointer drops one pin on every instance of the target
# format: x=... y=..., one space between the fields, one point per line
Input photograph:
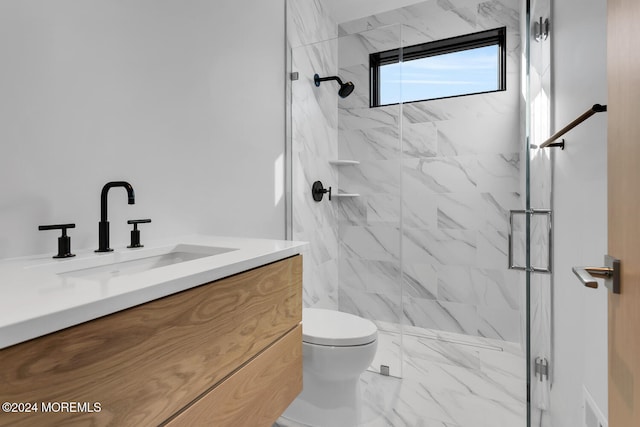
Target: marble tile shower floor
x=448 y=380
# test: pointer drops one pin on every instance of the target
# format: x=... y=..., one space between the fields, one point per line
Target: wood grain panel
x=255 y=395
x=146 y=363
x=623 y=153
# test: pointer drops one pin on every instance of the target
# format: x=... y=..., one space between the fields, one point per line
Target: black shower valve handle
x=135 y=233
x=64 y=241
x=318 y=191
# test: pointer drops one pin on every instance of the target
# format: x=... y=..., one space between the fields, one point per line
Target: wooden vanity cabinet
x=227 y=353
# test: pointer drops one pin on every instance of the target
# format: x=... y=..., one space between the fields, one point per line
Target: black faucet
x=103 y=226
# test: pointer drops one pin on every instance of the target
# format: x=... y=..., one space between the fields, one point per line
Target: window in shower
x=464 y=65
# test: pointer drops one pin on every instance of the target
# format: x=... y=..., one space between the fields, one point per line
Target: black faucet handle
x=62 y=227
x=135 y=233
x=64 y=241
x=138 y=221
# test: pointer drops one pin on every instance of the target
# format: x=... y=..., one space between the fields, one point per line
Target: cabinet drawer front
x=256 y=394
x=146 y=363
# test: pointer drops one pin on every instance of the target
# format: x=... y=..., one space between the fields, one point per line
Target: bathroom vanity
x=209 y=338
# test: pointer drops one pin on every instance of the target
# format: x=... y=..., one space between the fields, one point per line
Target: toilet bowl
x=337 y=348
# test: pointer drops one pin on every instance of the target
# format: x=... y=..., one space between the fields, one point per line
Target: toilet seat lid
x=335 y=328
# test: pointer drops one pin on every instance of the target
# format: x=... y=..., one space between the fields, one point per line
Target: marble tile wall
x=313 y=117
x=437 y=180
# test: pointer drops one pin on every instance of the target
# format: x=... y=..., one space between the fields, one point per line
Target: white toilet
x=337 y=347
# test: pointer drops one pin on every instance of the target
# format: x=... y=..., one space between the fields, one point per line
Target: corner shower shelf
x=346 y=195
x=344 y=162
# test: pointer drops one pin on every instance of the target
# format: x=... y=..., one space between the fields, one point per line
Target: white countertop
x=40 y=295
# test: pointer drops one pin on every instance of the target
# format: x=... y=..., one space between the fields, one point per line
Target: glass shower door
x=352 y=263
x=369 y=215
x=540 y=218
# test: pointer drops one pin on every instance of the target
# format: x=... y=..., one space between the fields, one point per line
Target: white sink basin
x=180 y=253
x=103 y=267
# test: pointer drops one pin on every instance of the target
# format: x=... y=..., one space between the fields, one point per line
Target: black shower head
x=345 y=88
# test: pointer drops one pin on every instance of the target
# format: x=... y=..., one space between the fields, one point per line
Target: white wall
x=182 y=99
x=579 y=58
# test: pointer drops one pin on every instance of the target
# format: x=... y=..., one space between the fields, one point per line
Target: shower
x=345 y=88
x=415 y=238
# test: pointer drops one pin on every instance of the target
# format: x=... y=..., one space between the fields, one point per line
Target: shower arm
x=325 y=79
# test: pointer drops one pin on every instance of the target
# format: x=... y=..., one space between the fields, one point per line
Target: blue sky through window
x=458 y=73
